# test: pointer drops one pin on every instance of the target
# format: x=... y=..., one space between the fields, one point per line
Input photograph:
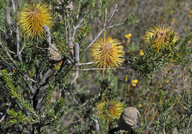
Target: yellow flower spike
x=31 y=19
x=107 y=53
x=109 y=110
x=162 y=35
x=128 y=36
x=141 y=53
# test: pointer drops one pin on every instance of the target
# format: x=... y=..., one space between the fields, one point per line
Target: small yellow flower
x=107 y=53
x=134 y=85
x=31 y=19
x=172 y=21
x=134 y=82
x=109 y=110
x=139 y=105
x=141 y=53
x=161 y=37
x=190 y=11
x=167 y=81
x=128 y=36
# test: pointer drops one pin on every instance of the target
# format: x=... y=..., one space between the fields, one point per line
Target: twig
x=189 y=124
x=116 y=25
x=75 y=28
x=47 y=75
x=48 y=37
x=59 y=2
x=83 y=64
x=30 y=79
x=113 y=14
x=6 y=50
x=164 y=130
x=97 y=128
x=90 y=100
x=9 y=105
x=7 y=62
x=150 y=122
x=101 y=69
x=96 y=37
x=22 y=48
x=73 y=98
x=104 y=27
x=13 y=5
x=120 y=24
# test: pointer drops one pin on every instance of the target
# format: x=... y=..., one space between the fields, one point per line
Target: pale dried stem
x=101 y=69
x=9 y=105
x=104 y=27
x=13 y=3
x=83 y=64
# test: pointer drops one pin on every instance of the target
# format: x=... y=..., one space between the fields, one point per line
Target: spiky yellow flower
x=107 y=53
x=160 y=36
x=109 y=110
x=31 y=19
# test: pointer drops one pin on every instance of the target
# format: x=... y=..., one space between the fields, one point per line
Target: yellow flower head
x=161 y=36
x=109 y=110
x=31 y=19
x=141 y=53
x=107 y=53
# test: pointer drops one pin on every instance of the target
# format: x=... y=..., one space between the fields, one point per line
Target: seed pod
x=129 y=119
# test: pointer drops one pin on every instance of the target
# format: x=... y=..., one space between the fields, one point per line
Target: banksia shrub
x=93 y=66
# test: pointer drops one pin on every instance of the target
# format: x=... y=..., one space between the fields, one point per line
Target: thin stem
x=189 y=124
x=18 y=45
x=101 y=69
x=96 y=38
x=103 y=74
x=13 y=5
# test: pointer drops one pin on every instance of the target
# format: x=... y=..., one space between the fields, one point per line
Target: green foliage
x=19 y=117
x=15 y=93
